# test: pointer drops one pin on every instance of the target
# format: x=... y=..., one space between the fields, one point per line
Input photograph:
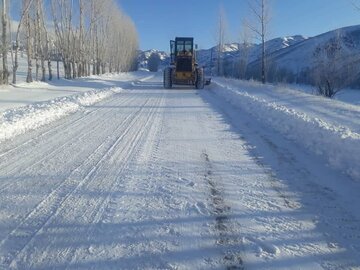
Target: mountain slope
x=289 y=59
x=300 y=60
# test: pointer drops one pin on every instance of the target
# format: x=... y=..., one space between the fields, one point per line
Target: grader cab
x=184 y=69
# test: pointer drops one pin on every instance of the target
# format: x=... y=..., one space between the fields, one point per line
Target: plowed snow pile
x=19 y=120
x=326 y=127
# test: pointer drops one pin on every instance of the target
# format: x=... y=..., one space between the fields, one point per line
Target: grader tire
x=167 y=78
x=200 y=79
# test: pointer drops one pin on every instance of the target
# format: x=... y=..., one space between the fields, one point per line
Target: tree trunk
x=98 y=65
x=263 y=76
x=43 y=69
x=16 y=62
x=29 y=51
x=58 y=69
x=73 y=69
x=37 y=68
x=79 y=69
x=50 y=70
x=5 y=73
x=103 y=68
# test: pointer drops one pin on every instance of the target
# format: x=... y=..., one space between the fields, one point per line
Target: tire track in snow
x=328 y=216
x=18 y=239
x=56 y=125
x=221 y=212
x=46 y=133
x=93 y=215
x=51 y=150
x=144 y=132
x=105 y=209
x=61 y=124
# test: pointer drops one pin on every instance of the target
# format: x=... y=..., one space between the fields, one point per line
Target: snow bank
x=19 y=120
x=340 y=145
x=125 y=76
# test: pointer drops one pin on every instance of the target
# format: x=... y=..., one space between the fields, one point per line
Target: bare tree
x=62 y=11
x=220 y=38
x=48 y=55
x=81 y=40
x=29 y=48
x=38 y=40
x=26 y=4
x=4 y=19
x=42 y=39
x=244 y=50
x=260 y=10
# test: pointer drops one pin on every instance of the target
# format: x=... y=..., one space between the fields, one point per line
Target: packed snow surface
x=128 y=175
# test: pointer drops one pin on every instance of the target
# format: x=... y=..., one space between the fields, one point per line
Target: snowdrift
x=337 y=143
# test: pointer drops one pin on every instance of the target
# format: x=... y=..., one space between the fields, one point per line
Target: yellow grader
x=184 y=69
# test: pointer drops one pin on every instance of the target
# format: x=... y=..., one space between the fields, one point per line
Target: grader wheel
x=167 y=78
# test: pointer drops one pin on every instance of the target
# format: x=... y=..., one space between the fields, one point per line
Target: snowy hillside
x=300 y=59
x=301 y=55
x=296 y=59
x=233 y=51
x=143 y=57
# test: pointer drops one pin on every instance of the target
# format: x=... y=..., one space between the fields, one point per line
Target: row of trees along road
x=87 y=36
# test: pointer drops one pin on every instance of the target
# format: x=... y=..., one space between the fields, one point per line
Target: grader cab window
x=184 y=47
x=180 y=46
x=188 y=46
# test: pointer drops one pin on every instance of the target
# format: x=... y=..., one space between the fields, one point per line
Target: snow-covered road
x=171 y=179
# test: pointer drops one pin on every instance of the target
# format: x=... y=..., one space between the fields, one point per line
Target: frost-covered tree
x=62 y=15
x=333 y=71
x=103 y=39
x=28 y=39
x=26 y=4
x=40 y=40
x=87 y=35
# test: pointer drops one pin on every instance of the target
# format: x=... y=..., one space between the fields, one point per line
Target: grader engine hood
x=184 y=64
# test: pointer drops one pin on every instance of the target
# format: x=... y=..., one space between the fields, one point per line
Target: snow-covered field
x=114 y=172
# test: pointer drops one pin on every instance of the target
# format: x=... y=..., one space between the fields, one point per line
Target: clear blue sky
x=158 y=21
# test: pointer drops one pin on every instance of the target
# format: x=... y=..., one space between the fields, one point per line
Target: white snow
x=325 y=127
x=20 y=120
x=115 y=172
